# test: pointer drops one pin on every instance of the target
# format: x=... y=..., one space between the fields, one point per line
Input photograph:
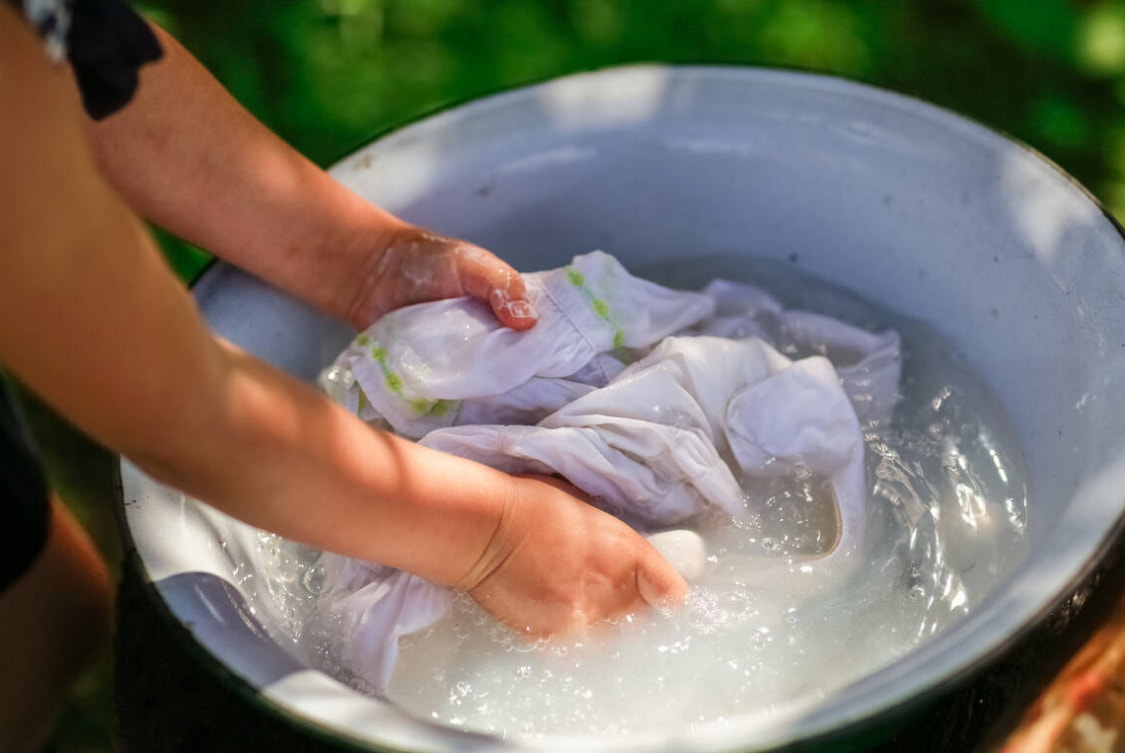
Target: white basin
x=903 y=203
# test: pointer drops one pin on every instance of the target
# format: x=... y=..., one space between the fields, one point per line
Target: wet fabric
x=657 y=403
x=447 y=363
x=24 y=506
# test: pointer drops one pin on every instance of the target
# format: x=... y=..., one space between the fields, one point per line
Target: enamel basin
x=930 y=215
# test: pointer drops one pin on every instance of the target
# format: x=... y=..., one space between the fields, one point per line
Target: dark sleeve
x=24 y=506
x=107 y=43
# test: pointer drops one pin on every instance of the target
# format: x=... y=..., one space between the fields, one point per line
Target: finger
x=485 y=276
x=684 y=550
x=658 y=583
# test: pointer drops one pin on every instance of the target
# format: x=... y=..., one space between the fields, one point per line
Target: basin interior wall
x=904 y=204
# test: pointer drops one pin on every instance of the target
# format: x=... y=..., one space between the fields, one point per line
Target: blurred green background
x=327 y=75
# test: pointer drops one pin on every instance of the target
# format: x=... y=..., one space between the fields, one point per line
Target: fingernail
x=648 y=591
x=663 y=601
x=522 y=309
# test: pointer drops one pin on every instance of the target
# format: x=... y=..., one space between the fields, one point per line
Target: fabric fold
x=659 y=404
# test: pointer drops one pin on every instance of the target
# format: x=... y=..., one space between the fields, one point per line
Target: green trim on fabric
x=393 y=382
x=601 y=308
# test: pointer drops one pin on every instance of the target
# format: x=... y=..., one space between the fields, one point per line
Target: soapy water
x=761 y=631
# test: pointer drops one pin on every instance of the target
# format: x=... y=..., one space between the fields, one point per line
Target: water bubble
x=313 y=579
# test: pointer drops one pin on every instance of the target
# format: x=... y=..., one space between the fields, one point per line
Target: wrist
x=372 y=248
x=495 y=548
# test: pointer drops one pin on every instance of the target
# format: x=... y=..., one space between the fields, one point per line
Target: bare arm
x=187 y=156
x=92 y=320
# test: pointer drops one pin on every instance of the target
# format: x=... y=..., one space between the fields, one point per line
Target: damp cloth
x=657 y=403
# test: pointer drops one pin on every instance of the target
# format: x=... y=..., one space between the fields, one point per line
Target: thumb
x=658 y=583
x=485 y=276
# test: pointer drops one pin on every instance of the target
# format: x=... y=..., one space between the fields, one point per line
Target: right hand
x=558 y=565
x=411 y=265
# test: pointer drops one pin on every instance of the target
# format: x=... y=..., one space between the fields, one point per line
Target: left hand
x=416 y=266
x=558 y=565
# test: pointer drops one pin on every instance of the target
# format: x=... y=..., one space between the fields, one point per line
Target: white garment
x=678 y=429
x=867 y=362
x=363 y=610
x=420 y=367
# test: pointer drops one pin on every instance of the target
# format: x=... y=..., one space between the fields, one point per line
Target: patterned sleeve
x=105 y=41
x=51 y=19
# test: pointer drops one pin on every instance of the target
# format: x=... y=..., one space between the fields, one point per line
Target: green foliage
x=186 y=260
x=330 y=74
x=1043 y=27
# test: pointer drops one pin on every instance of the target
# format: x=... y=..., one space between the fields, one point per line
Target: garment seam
x=570 y=320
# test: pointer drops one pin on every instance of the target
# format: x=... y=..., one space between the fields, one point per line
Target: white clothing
x=365 y=608
x=419 y=367
x=706 y=403
x=866 y=362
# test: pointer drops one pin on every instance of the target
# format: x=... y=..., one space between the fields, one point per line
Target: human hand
x=415 y=265
x=559 y=565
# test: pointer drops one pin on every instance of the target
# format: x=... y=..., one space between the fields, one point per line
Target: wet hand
x=557 y=565
x=415 y=265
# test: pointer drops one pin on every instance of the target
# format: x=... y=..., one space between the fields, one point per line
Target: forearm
x=187 y=156
x=274 y=452
x=118 y=348
x=223 y=426
x=94 y=322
